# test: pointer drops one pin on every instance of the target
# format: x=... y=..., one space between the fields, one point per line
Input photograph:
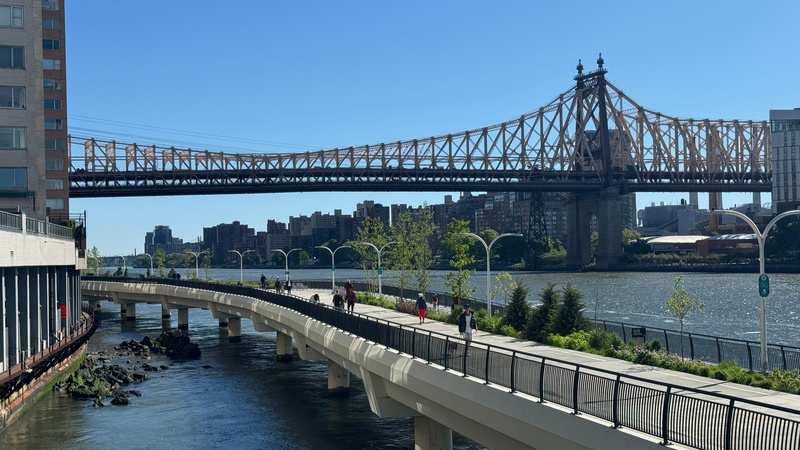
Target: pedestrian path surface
x=675 y=378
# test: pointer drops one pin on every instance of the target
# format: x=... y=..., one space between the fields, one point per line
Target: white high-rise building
x=785 y=146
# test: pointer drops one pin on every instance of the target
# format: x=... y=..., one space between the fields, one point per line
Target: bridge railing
x=714 y=349
x=688 y=416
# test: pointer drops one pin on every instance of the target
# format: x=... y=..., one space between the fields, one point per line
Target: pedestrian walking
x=338 y=301
x=348 y=286
x=263 y=281
x=350 y=296
x=288 y=285
x=278 y=285
x=435 y=302
x=422 y=307
x=466 y=323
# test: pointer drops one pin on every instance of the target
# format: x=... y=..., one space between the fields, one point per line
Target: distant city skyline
x=285 y=77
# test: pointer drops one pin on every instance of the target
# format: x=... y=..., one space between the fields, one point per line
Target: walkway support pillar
x=165 y=314
x=130 y=311
x=122 y=309
x=223 y=322
x=183 y=318
x=283 y=347
x=234 y=329
x=338 y=380
x=429 y=434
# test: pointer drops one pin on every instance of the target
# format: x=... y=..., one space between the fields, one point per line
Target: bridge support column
x=605 y=205
x=283 y=347
x=94 y=304
x=429 y=434
x=183 y=318
x=338 y=380
x=122 y=309
x=234 y=329
x=165 y=314
x=223 y=322
x=130 y=311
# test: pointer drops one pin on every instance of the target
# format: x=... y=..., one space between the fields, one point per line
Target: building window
x=11 y=16
x=51 y=64
x=12 y=137
x=51 y=44
x=12 y=97
x=50 y=103
x=54 y=203
x=54 y=163
x=50 y=5
x=53 y=144
x=53 y=124
x=13 y=177
x=50 y=24
x=52 y=85
x=54 y=185
x=11 y=57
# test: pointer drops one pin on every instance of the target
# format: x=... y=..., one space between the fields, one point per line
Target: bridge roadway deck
x=403 y=386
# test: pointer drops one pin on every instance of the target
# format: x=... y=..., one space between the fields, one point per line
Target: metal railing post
x=691 y=347
x=719 y=351
x=575 y=390
x=729 y=425
x=541 y=382
x=665 y=417
x=615 y=403
x=486 y=366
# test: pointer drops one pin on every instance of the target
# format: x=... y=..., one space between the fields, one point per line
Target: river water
x=238 y=396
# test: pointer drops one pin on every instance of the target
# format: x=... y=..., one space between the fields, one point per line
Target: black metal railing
x=704 y=347
x=693 y=417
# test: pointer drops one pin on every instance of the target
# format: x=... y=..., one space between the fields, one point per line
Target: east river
x=238 y=396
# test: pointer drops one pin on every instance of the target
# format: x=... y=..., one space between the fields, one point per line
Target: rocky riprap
x=97 y=378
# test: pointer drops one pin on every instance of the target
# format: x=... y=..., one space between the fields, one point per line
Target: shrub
x=407 y=307
x=508 y=330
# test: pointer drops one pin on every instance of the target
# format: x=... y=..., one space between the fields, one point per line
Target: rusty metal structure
x=589 y=138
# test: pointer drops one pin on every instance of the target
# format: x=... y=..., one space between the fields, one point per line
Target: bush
x=508 y=330
x=407 y=307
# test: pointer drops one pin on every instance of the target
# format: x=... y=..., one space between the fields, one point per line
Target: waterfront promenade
x=554 y=392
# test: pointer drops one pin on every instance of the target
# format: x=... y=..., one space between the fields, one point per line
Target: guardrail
x=693 y=417
x=34 y=226
x=704 y=347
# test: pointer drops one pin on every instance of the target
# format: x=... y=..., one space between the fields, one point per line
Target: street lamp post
x=488 y=263
x=760 y=238
x=151 y=262
x=333 y=263
x=196 y=255
x=286 y=259
x=241 y=263
x=380 y=285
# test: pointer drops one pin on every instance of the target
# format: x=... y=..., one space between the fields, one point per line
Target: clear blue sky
x=269 y=76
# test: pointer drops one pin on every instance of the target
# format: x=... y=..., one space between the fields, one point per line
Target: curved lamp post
x=241 y=262
x=196 y=255
x=151 y=262
x=380 y=286
x=333 y=263
x=760 y=238
x=286 y=259
x=488 y=263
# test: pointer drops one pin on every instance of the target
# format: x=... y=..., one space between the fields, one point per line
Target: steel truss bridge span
x=591 y=137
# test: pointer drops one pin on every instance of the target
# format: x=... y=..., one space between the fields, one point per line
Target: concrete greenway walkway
x=683 y=383
x=508 y=393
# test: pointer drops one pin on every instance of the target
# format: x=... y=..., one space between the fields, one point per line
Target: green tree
x=459 y=246
x=681 y=304
x=159 y=257
x=188 y=260
x=569 y=318
x=95 y=260
x=372 y=230
x=518 y=311
x=205 y=260
x=502 y=287
x=304 y=257
x=594 y=244
x=401 y=255
x=422 y=228
x=629 y=236
x=542 y=316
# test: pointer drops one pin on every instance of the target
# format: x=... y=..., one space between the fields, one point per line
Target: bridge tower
x=593 y=147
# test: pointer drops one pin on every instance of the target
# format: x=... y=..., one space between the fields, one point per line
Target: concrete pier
x=165 y=314
x=283 y=347
x=122 y=309
x=234 y=329
x=223 y=322
x=338 y=380
x=130 y=311
x=183 y=318
x=430 y=434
